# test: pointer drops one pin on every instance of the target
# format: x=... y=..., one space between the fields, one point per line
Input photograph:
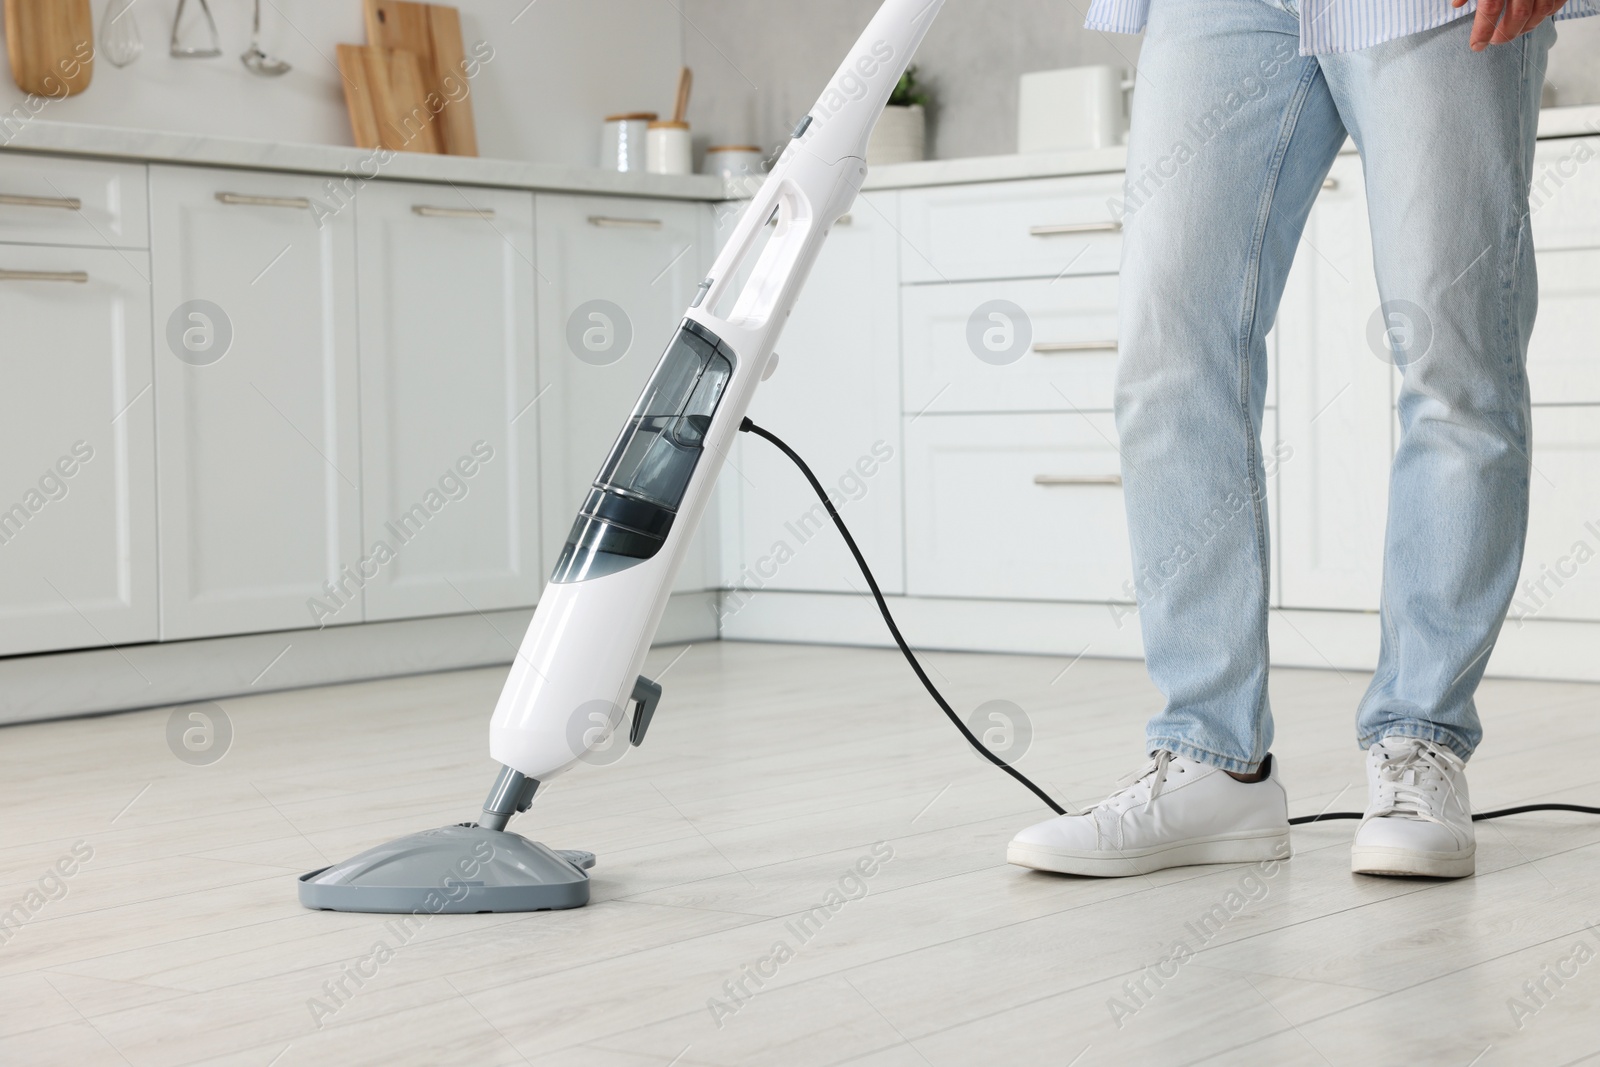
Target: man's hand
x=1499 y=21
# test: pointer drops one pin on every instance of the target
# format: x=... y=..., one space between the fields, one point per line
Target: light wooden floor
x=770 y=772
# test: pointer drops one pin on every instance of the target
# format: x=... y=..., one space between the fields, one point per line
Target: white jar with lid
x=622 y=146
x=740 y=166
x=668 y=150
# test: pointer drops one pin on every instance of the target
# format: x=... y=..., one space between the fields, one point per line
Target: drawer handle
x=79 y=276
x=429 y=212
x=66 y=203
x=1052 y=348
x=1074 y=227
x=1077 y=479
x=1330 y=183
x=613 y=222
x=299 y=202
x=846 y=219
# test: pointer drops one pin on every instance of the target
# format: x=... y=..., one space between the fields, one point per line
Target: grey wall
x=559 y=66
x=759 y=63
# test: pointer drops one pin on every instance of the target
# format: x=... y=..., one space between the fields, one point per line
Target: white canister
x=1071 y=109
x=739 y=167
x=622 y=145
x=668 y=150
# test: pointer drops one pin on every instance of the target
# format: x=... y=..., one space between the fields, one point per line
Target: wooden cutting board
x=431 y=32
x=51 y=45
x=362 y=84
x=385 y=95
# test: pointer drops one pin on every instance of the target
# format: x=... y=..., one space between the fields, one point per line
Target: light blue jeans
x=1233 y=133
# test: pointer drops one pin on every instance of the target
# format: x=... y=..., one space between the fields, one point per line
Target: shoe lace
x=1413 y=780
x=1153 y=772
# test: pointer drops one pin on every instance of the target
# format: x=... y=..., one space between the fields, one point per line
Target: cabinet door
x=1335 y=395
x=77 y=515
x=257 y=427
x=1561 y=364
x=449 y=430
x=1560 y=576
x=835 y=398
x=615 y=276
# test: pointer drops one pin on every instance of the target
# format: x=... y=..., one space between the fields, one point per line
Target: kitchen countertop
x=167 y=147
x=115 y=142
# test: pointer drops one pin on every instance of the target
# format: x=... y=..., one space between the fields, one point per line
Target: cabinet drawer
x=1024 y=507
x=1565 y=194
x=52 y=201
x=1561 y=358
x=1561 y=567
x=1024 y=229
x=967 y=348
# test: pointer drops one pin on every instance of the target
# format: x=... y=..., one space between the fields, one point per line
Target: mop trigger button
x=646 y=695
x=771 y=368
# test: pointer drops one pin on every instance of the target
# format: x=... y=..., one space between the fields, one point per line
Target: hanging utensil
x=255 y=60
x=182 y=51
x=120 y=42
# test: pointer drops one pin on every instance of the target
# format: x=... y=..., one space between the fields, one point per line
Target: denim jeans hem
x=1420 y=729
x=1202 y=755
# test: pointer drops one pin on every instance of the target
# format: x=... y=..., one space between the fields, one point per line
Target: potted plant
x=902 y=131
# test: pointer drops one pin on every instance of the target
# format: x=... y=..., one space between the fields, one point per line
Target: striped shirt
x=1329 y=26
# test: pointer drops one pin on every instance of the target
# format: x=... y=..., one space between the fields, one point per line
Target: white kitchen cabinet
x=615 y=275
x=1015 y=507
x=1564 y=198
x=1562 y=368
x=256 y=393
x=1024 y=229
x=1561 y=565
x=55 y=201
x=967 y=348
x=1335 y=398
x=449 y=427
x=835 y=399
x=77 y=518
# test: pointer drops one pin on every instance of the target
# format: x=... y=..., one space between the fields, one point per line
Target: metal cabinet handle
x=66 y=203
x=846 y=219
x=44 y=276
x=1330 y=183
x=1077 y=479
x=299 y=202
x=429 y=212
x=616 y=223
x=1074 y=227
x=1051 y=348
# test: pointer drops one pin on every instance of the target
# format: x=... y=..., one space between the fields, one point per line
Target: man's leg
x=1447 y=138
x=1232 y=135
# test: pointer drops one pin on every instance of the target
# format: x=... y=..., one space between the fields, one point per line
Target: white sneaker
x=1419 y=817
x=1172 y=813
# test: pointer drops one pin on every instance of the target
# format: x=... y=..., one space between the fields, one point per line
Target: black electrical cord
x=747 y=426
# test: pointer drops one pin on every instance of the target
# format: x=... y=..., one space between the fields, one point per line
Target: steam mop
x=577 y=670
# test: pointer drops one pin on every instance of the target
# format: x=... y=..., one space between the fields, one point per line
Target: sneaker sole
x=1250 y=846
x=1408 y=863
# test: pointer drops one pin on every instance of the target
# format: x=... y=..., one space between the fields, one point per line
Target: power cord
x=747 y=426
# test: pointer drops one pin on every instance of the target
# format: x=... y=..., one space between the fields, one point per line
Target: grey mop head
x=453 y=870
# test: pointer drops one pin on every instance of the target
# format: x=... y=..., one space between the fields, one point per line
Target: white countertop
x=166 y=147
x=157 y=146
